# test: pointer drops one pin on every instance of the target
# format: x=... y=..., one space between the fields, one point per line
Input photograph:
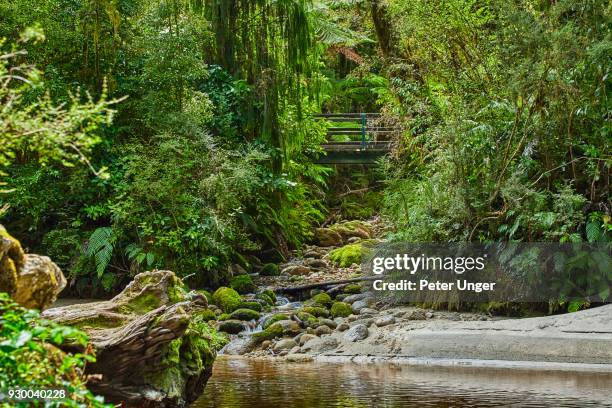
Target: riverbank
x=347 y=323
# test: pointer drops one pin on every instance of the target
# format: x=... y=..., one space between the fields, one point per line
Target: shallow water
x=240 y=382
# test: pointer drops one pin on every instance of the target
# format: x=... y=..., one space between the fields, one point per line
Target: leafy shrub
x=30 y=357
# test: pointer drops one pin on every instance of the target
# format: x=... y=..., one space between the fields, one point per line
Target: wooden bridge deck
x=365 y=144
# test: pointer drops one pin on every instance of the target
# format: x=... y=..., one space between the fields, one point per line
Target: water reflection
x=242 y=383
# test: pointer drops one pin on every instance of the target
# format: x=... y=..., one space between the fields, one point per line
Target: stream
x=250 y=383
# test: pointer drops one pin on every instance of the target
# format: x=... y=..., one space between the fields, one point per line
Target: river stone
x=39 y=282
x=328 y=322
x=305 y=338
x=284 y=344
x=294 y=350
x=418 y=314
x=290 y=327
x=296 y=270
x=352 y=318
x=385 y=320
x=368 y=311
x=320 y=345
x=316 y=263
x=231 y=326
x=356 y=297
x=361 y=304
x=299 y=358
x=342 y=327
x=356 y=333
x=321 y=330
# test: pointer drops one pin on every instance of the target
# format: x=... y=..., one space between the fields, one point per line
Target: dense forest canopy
x=504 y=108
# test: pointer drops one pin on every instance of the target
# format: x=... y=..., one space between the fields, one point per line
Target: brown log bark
x=134 y=335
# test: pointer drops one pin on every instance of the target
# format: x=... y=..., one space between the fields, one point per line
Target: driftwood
x=141 y=341
x=297 y=289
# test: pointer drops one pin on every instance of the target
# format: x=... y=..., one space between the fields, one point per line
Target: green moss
x=194 y=352
x=307 y=318
x=264 y=297
x=316 y=311
x=231 y=326
x=276 y=318
x=245 y=314
x=242 y=284
x=352 y=289
x=256 y=306
x=347 y=255
x=143 y=303
x=223 y=316
x=270 y=294
x=99 y=322
x=208 y=315
x=227 y=299
x=269 y=269
x=274 y=330
x=341 y=309
x=322 y=299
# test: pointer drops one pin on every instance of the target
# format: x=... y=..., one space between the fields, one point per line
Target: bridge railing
x=363 y=128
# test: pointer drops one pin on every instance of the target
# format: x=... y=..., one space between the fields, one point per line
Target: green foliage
x=341 y=309
x=227 y=299
x=30 y=357
x=507 y=138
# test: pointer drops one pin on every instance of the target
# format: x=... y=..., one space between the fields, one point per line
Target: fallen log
x=318 y=285
x=153 y=348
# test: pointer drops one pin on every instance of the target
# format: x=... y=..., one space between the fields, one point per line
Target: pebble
x=321 y=330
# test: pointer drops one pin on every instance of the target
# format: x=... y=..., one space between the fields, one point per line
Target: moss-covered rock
x=12 y=259
x=341 y=309
x=351 y=229
x=273 y=319
x=327 y=237
x=265 y=298
x=352 y=289
x=242 y=284
x=316 y=311
x=227 y=299
x=270 y=294
x=245 y=314
x=273 y=331
x=256 y=306
x=269 y=269
x=347 y=255
x=231 y=326
x=223 y=316
x=308 y=319
x=322 y=299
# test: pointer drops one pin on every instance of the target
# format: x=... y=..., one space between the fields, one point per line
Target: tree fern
x=100 y=248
